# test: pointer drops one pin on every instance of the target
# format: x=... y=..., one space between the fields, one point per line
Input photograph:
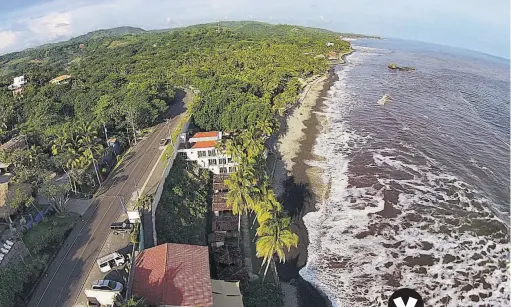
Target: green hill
x=119 y=31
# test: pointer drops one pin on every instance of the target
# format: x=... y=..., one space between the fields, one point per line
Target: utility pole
x=106 y=136
x=218 y=27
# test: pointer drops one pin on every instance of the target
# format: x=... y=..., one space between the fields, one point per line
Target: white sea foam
x=432 y=243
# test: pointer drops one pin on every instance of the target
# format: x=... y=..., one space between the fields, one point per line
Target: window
x=232 y=169
x=229 y=160
x=222 y=161
x=212 y=153
x=212 y=161
x=202 y=154
x=223 y=170
x=112 y=284
x=183 y=154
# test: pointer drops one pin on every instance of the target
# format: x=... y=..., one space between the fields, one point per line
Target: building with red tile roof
x=202 y=148
x=204 y=144
x=174 y=275
x=207 y=134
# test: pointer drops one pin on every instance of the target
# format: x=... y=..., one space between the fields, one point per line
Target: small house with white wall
x=17 y=86
x=201 y=148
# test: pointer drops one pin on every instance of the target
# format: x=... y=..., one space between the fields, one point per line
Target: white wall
x=192 y=154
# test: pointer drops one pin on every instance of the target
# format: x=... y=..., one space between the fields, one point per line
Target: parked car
x=105 y=284
x=121 y=227
x=163 y=143
x=111 y=261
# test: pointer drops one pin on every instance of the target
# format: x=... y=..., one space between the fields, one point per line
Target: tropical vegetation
x=181 y=215
x=124 y=80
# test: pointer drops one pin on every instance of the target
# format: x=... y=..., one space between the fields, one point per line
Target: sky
x=482 y=26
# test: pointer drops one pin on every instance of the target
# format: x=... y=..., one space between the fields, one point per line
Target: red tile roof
x=220 y=202
x=174 y=274
x=205 y=134
x=205 y=144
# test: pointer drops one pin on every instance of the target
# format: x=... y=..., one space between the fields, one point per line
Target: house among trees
x=17 y=142
x=17 y=86
x=10 y=146
x=10 y=193
x=201 y=148
x=332 y=56
x=64 y=79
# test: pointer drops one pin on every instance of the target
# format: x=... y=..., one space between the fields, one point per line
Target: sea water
x=419 y=187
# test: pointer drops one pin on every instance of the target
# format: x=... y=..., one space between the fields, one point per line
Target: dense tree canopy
x=243 y=75
x=244 y=72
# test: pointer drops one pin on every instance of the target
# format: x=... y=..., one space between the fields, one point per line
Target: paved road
x=69 y=270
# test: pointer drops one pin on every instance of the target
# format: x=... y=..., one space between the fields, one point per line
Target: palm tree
x=252 y=143
x=266 y=127
x=275 y=237
x=90 y=146
x=266 y=204
x=67 y=157
x=241 y=191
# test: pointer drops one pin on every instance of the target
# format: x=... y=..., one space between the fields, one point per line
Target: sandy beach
x=298 y=184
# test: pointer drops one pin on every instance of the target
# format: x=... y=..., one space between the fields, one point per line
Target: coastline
x=299 y=185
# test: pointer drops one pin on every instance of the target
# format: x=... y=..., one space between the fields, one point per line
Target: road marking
x=65 y=256
x=98 y=198
x=122 y=187
x=152 y=171
x=106 y=237
x=85 y=247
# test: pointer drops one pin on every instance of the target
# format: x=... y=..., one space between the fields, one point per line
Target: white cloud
x=434 y=20
x=51 y=26
x=7 y=38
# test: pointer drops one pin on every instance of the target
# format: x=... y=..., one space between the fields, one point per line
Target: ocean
x=419 y=187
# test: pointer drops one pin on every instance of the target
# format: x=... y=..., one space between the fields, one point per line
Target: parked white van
x=111 y=261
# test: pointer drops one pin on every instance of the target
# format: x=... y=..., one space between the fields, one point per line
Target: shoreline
x=299 y=185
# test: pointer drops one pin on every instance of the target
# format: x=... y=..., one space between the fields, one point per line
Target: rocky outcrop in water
x=394 y=66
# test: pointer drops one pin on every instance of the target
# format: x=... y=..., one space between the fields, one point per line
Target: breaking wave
x=397 y=217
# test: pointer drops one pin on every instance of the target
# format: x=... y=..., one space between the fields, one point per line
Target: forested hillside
x=245 y=73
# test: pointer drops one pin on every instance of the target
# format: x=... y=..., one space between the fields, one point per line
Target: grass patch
x=169 y=151
x=43 y=241
x=47 y=236
x=263 y=294
x=181 y=216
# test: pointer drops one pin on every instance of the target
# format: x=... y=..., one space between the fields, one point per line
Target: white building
x=18 y=83
x=201 y=148
x=17 y=86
